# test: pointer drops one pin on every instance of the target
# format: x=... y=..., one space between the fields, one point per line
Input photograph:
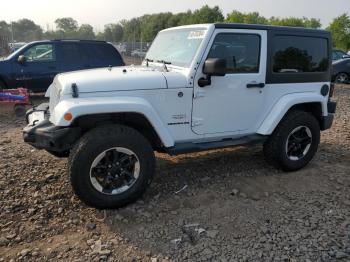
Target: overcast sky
x=101 y=12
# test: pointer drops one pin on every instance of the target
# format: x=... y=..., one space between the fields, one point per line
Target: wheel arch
x=134 y=120
x=113 y=109
x=2 y=80
x=311 y=103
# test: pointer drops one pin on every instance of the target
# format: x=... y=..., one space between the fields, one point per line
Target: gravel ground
x=231 y=206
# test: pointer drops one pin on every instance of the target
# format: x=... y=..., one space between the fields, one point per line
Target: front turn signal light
x=68 y=116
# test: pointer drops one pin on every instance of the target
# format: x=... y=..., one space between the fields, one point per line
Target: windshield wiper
x=148 y=60
x=164 y=64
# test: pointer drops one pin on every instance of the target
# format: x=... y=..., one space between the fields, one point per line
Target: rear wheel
x=294 y=142
x=111 y=166
x=20 y=110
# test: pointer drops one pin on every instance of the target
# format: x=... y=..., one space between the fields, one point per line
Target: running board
x=184 y=148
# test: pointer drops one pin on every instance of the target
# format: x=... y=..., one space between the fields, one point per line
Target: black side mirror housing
x=212 y=67
x=215 y=67
x=22 y=59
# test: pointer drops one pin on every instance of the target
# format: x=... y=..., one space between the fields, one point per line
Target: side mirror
x=215 y=67
x=345 y=56
x=22 y=59
x=212 y=67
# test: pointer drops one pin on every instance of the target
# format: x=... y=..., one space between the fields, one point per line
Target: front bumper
x=45 y=135
x=327 y=121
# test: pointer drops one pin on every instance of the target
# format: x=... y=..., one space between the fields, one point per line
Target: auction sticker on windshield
x=198 y=34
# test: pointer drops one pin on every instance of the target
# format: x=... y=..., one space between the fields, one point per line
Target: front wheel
x=111 y=166
x=342 y=78
x=294 y=142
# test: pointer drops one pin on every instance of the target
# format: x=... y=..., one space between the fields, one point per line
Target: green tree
x=249 y=18
x=4 y=29
x=340 y=29
x=180 y=19
x=312 y=23
x=113 y=33
x=152 y=24
x=207 y=15
x=25 y=30
x=67 y=27
x=86 y=31
x=132 y=29
x=296 y=22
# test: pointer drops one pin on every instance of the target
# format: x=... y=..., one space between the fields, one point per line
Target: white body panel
x=227 y=105
x=286 y=95
x=178 y=109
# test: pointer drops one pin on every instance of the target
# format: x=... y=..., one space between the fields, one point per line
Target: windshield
x=18 y=51
x=176 y=47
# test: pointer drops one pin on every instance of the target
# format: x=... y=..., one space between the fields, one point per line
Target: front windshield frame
x=164 y=47
x=18 y=51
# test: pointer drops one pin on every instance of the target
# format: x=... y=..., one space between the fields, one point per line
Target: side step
x=184 y=148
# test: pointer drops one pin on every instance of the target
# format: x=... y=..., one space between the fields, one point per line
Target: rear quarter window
x=105 y=53
x=72 y=52
x=300 y=54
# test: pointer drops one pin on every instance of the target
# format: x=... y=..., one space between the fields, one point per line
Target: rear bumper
x=327 y=121
x=45 y=135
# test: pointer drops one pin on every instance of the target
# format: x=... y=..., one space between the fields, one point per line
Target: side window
x=241 y=52
x=342 y=54
x=72 y=53
x=105 y=52
x=298 y=54
x=40 y=53
x=335 y=55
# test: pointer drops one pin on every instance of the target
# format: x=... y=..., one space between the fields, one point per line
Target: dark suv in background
x=36 y=64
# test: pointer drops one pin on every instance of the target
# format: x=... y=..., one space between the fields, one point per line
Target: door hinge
x=197 y=122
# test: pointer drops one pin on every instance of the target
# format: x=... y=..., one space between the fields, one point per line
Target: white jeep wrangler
x=200 y=87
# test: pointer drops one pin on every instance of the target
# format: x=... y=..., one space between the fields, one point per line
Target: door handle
x=256 y=85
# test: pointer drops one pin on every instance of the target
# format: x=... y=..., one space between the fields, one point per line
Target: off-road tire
x=342 y=78
x=97 y=141
x=275 y=145
x=20 y=110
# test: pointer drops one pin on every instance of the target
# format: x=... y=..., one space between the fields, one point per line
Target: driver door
x=232 y=104
x=40 y=67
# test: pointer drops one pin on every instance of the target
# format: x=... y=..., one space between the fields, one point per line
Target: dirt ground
x=231 y=206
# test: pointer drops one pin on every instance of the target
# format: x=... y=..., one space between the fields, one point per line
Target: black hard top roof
x=286 y=29
x=69 y=41
x=77 y=40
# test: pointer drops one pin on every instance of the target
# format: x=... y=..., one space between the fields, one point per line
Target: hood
x=119 y=79
x=341 y=61
x=3 y=63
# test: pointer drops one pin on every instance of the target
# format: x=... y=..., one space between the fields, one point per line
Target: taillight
x=331 y=90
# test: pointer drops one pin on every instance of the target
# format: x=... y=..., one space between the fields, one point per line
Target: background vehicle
x=35 y=65
x=15 y=46
x=138 y=53
x=341 y=71
x=200 y=87
x=339 y=54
